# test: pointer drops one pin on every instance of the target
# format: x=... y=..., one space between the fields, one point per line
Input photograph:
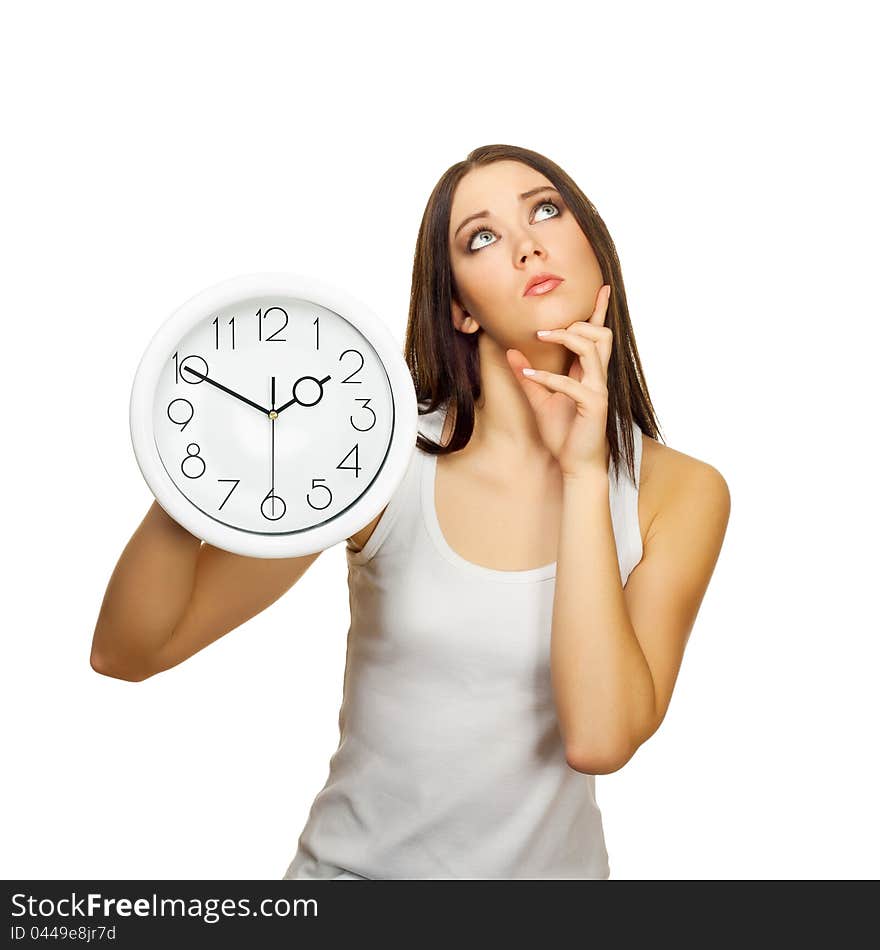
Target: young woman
x=521 y=606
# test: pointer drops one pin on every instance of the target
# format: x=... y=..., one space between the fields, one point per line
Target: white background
x=154 y=149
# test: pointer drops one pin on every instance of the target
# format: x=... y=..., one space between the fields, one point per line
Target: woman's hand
x=572 y=416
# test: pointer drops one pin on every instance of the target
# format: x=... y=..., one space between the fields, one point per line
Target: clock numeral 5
x=326 y=489
x=195 y=460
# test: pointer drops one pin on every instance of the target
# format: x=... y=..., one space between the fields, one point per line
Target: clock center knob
x=273 y=414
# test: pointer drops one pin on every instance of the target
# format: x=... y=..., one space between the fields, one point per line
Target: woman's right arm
x=170 y=596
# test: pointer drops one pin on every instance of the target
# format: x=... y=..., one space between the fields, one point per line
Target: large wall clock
x=273 y=415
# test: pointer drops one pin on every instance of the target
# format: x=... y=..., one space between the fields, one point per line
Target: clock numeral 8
x=194 y=458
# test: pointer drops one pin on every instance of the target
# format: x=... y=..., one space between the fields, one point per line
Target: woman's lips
x=544 y=287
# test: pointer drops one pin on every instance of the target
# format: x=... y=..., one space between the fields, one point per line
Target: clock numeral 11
x=216 y=322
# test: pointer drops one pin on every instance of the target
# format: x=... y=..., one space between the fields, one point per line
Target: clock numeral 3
x=194 y=460
x=366 y=405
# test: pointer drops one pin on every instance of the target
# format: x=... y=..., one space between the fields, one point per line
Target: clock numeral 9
x=194 y=459
x=183 y=423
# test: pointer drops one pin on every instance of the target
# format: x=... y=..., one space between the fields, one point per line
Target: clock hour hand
x=213 y=382
x=290 y=402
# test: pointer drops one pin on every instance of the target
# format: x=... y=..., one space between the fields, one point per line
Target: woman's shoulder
x=671 y=478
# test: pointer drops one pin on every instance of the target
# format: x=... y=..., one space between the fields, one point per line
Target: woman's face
x=494 y=255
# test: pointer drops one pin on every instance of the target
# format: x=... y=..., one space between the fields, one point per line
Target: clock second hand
x=273 y=416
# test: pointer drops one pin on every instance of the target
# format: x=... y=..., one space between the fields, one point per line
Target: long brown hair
x=445 y=363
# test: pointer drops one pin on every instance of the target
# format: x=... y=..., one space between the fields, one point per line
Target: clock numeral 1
x=216 y=322
x=194 y=459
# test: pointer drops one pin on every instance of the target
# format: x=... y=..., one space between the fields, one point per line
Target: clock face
x=273 y=415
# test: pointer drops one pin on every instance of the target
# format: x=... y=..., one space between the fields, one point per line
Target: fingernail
x=542 y=332
x=528 y=372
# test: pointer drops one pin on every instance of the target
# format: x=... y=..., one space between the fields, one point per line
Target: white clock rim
x=226 y=293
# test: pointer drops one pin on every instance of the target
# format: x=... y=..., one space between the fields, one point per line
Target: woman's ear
x=462 y=320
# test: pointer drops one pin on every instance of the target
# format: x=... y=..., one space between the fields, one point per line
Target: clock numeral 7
x=231 y=490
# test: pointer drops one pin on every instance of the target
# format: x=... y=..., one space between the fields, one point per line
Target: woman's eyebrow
x=485 y=213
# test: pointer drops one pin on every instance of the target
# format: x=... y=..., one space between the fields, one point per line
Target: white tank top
x=450 y=763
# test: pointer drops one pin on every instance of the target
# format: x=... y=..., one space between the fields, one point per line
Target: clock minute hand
x=225 y=389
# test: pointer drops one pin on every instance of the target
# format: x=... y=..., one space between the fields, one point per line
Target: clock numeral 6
x=183 y=423
x=273 y=507
x=326 y=489
x=194 y=459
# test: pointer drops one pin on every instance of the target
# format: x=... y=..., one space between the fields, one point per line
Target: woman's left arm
x=616 y=652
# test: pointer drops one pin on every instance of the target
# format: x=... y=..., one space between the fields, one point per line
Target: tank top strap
x=403 y=511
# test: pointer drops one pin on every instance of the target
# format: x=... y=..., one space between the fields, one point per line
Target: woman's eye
x=480 y=231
